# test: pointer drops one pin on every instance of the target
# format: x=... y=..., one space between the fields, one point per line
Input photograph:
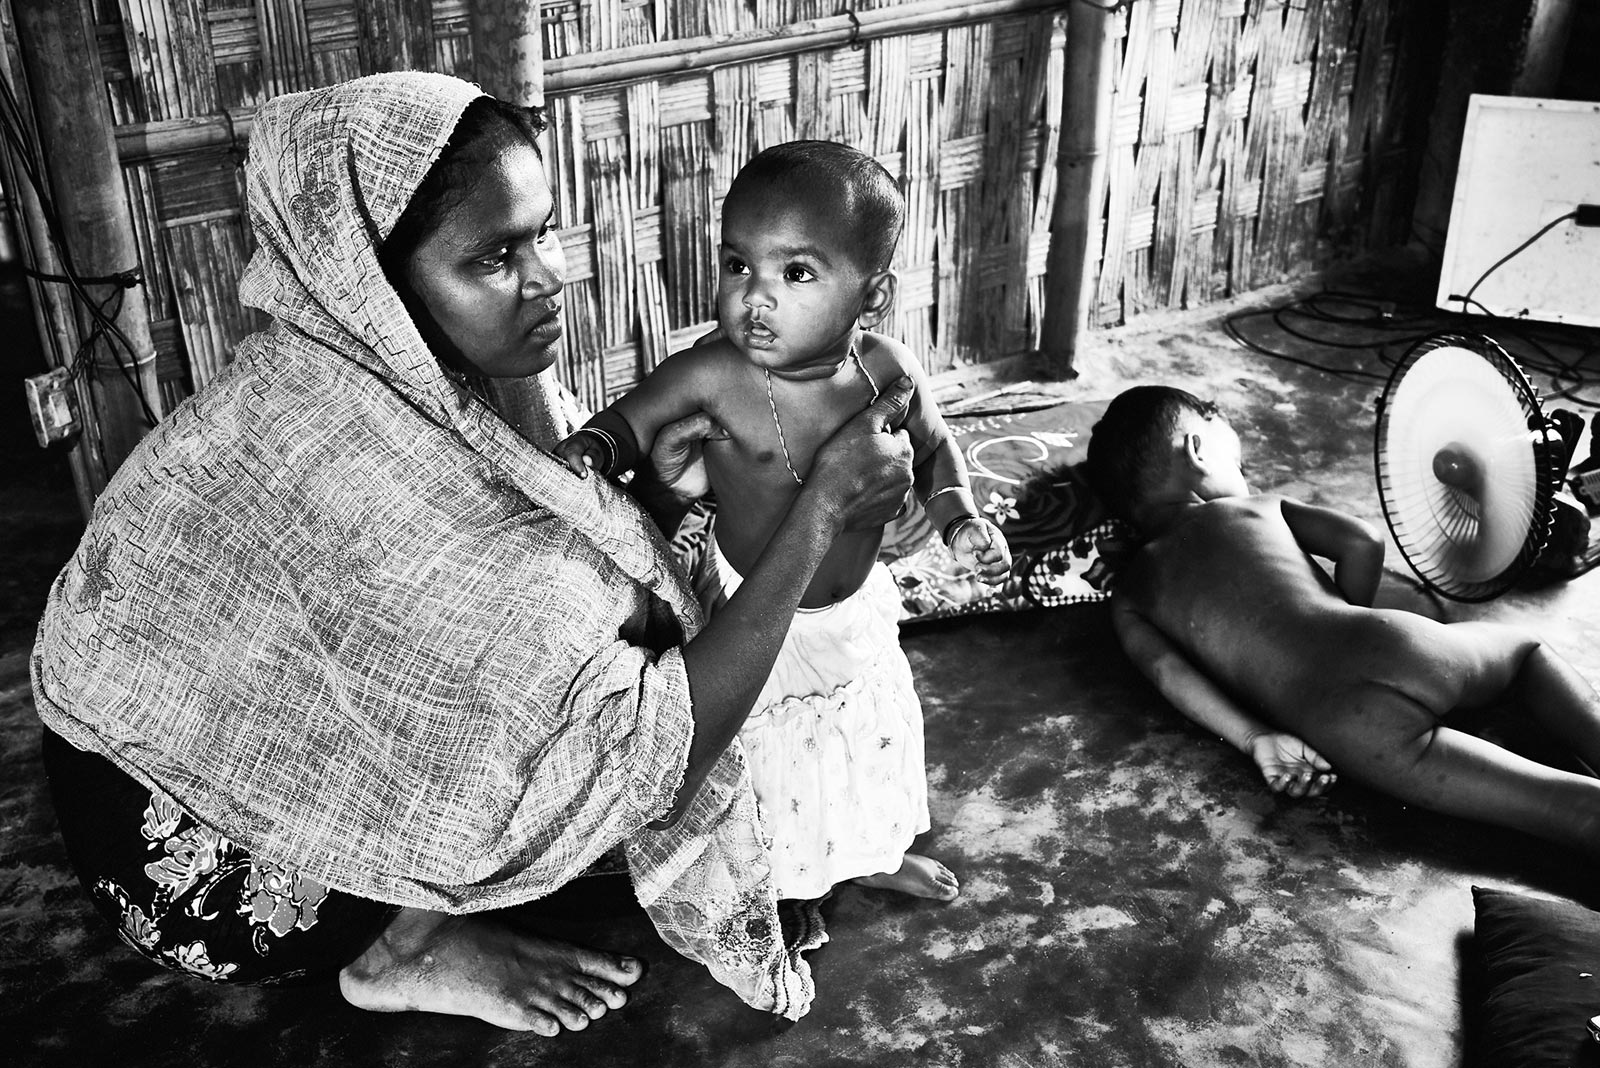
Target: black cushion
x=1539 y=982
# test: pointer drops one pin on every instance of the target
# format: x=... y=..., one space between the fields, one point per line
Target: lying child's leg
x=1559 y=699
x=918 y=876
x=1389 y=734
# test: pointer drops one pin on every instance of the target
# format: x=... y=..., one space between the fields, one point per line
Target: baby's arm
x=622 y=433
x=1353 y=545
x=939 y=477
x=1287 y=763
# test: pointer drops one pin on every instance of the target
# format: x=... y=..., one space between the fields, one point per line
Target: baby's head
x=808 y=231
x=1156 y=440
x=842 y=188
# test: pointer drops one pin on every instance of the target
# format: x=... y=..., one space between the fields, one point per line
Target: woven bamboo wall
x=1249 y=140
x=1244 y=133
x=964 y=116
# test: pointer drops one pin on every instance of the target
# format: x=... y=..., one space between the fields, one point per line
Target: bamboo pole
x=52 y=318
x=508 y=63
x=1087 y=111
x=62 y=64
x=1544 y=48
x=506 y=50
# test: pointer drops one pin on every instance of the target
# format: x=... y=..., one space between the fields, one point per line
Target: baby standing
x=835 y=738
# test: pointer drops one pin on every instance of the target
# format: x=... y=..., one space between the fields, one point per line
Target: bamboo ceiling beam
x=662 y=59
x=148 y=141
x=145 y=142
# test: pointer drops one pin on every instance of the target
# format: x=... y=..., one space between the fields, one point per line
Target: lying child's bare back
x=1231 y=586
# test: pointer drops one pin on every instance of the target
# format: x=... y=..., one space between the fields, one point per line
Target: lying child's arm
x=1353 y=545
x=939 y=478
x=621 y=434
x=1287 y=763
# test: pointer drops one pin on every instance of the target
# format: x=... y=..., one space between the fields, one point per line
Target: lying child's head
x=808 y=232
x=1155 y=440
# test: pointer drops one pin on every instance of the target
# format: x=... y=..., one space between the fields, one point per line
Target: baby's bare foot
x=919 y=876
x=475 y=966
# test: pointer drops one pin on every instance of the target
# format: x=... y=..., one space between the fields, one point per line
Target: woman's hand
x=863 y=473
x=677 y=460
x=859 y=478
x=675 y=476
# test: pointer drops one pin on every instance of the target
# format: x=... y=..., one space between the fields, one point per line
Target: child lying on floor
x=1224 y=610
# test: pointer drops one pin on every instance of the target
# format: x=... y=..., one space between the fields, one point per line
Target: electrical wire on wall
x=102 y=314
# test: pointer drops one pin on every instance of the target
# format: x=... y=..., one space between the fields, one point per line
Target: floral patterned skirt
x=187 y=897
x=834 y=741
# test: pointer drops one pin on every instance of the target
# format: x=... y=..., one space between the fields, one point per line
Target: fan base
x=1573 y=546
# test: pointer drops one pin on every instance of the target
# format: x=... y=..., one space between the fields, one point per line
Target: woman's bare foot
x=919 y=876
x=475 y=966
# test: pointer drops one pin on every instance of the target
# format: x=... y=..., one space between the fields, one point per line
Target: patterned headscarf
x=347 y=616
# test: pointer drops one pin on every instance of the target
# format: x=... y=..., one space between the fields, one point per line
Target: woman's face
x=485 y=284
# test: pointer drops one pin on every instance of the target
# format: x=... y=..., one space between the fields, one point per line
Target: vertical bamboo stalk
x=507 y=55
x=508 y=61
x=1086 y=114
x=62 y=64
x=52 y=318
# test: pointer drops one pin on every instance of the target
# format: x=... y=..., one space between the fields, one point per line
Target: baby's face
x=788 y=291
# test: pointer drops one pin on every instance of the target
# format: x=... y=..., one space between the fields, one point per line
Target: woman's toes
x=573 y=1013
x=610 y=997
x=542 y=1023
x=624 y=971
x=587 y=999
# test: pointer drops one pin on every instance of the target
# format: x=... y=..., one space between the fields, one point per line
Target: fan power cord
x=1503 y=260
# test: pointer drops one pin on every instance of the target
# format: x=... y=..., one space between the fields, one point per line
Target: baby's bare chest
x=774 y=434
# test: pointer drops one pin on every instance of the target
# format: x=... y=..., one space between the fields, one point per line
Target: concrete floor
x=1132 y=895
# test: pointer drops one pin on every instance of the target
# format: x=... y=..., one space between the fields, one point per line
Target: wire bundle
x=102 y=314
x=1346 y=321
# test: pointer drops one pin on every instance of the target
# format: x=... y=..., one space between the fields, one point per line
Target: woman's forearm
x=729 y=660
x=859 y=477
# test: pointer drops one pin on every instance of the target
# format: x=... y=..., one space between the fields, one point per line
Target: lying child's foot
x=919 y=877
x=476 y=966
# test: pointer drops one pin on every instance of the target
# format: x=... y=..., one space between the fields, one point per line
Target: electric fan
x=1468 y=466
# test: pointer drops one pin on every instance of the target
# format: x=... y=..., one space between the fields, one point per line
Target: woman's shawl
x=340 y=611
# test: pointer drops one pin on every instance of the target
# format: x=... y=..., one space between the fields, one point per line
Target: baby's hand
x=977 y=544
x=1289 y=765
x=581 y=452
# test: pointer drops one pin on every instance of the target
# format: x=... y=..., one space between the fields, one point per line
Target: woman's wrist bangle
x=954 y=525
x=610 y=444
x=617 y=435
x=942 y=492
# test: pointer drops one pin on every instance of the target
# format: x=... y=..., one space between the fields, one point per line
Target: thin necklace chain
x=776 y=422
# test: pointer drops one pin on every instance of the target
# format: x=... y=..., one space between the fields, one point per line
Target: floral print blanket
x=1026 y=472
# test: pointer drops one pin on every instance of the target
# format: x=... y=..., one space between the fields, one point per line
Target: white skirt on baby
x=834 y=742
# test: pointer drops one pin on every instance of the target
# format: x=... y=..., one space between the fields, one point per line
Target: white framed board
x=1525 y=161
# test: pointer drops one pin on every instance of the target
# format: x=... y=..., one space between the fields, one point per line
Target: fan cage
x=1416 y=546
